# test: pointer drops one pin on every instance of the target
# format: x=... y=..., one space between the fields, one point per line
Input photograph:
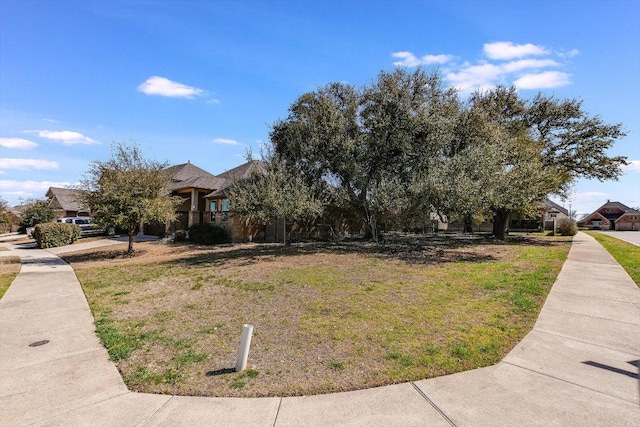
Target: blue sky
x=202 y=81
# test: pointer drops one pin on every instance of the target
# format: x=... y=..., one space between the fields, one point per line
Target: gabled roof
x=631 y=211
x=617 y=205
x=243 y=171
x=188 y=175
x=66 y=199
x=548 y=205
x=596 y=215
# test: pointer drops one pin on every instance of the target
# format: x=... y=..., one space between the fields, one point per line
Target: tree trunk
x=500 y=219
x=468 y=224
x=130 y=248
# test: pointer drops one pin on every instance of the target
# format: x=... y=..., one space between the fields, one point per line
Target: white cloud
x=50 y=120
x=410 y=60
x=28 y=189
x=507 y=50
x=590 y=196
x=475 y=76
x=27 y=164
x=17 y=143
x=527 y=64
x=66 y=137
x=225 y=141
x=544 y=80
x=156 y=85
x=633 y=166
x=504 y=63
x=569 y=54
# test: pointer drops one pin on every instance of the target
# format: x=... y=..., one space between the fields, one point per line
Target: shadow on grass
x=218 y=372
x=409 y=248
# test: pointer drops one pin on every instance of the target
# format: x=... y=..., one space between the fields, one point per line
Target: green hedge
x=208 y=234
x=53 y=234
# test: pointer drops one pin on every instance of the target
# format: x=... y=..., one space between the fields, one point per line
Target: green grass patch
x=626 y=254
x=119 y=344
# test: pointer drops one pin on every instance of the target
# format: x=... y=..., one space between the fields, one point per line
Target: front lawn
x=327 y=316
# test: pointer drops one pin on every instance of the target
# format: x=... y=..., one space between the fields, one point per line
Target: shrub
x=208 y=234
x=53 y=234
x=181 y=236
x=567 y=227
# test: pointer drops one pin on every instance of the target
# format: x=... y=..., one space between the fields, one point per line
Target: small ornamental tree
x=277 y=191
x=37 y=212
x=7 y=218
x=127 y=190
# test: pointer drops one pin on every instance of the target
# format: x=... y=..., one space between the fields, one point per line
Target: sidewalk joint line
x=68 y=411
x=56 y=358
x=431 y=402
x=569 y=382
x=585 y=342
x=589 y=316
x=601 y=298
x=275 y=420
x=150 y=417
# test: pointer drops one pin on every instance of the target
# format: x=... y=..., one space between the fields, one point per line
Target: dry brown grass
x=327 y=317
x=9 y=269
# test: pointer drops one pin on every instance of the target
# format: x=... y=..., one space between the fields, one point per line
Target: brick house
x=612 y=216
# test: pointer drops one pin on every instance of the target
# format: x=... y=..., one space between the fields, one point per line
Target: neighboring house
x=192 y=184
x=553 y=212
x=205 y=198
x=612 y=216
x=64 y=202
x=217 y=203
x=548 y=211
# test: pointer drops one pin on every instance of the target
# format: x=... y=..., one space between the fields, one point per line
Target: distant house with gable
x=612 y=216
x=64 y=202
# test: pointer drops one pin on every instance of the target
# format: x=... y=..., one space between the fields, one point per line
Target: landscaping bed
x=327 y=317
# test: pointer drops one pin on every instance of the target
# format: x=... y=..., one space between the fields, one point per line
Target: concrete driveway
x=632 y=237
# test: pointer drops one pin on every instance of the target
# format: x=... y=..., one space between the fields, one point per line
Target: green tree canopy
x=128 y=190
x=368 y=143
x=36 y=212
x=520 y=151
x=274 y=192
x=406 y=144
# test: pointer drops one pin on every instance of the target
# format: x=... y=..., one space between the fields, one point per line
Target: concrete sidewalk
x=578 y=367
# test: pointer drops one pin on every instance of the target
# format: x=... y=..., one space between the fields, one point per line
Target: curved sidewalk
x=577 y=367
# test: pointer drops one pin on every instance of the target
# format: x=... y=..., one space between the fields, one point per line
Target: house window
x=213 y=207
x=225 y=209
x=596 y=223
x=553 y=215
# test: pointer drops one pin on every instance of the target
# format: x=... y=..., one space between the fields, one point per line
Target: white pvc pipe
x=243 y=353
